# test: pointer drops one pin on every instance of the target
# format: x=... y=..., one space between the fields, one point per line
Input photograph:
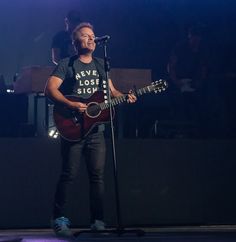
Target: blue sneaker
x=98 y=225
x=61 y=227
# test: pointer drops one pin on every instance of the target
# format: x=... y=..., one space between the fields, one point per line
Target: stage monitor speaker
x=13 y=114
x=32 y=79
x=126 y=79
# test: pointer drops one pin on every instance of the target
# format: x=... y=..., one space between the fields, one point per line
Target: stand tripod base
x=107 y=232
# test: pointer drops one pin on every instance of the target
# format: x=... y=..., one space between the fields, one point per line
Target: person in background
x=62 y=46
x=188 y=70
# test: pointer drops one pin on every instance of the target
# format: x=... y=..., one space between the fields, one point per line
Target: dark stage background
x=162 y=183
x=171 y=175
x=143 y=33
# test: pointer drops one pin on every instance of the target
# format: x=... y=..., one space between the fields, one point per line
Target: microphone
x=104 y=38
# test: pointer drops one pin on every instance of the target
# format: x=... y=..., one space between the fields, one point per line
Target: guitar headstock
x=159 y=86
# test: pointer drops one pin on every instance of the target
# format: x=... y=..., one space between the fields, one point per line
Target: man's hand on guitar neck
x=131 y=97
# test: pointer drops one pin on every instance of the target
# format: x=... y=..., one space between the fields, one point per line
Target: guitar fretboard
x=119 y=100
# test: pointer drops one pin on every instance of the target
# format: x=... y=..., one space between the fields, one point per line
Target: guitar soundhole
x=93 y=110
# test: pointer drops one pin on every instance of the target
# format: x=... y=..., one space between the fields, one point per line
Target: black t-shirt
x=80 y=78
x=62 y=40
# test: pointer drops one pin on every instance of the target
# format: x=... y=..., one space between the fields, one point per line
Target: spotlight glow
x=53 y=133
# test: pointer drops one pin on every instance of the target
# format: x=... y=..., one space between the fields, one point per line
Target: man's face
x=86 y=40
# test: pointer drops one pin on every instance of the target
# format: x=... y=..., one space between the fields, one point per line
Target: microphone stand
x=119 y=230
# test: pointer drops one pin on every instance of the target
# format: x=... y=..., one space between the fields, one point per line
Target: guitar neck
x=123 y=98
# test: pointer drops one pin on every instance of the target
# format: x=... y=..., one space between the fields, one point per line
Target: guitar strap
x=71 y=64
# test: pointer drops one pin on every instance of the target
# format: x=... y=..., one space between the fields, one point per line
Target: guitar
x=73 y=125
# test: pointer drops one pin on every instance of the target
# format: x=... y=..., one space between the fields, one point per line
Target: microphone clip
x=102 y=39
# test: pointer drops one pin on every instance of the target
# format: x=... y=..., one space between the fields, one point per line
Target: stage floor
x=217 y=233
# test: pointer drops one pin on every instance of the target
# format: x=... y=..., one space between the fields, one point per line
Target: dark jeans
x=93 y=148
